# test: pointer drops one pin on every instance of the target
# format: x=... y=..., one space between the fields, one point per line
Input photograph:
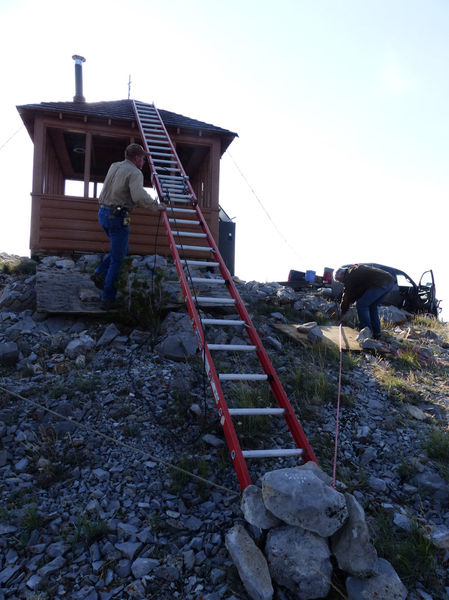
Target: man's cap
x=340 y=273
x=135 y=150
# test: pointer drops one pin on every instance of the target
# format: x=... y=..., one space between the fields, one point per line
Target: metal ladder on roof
x=185 y=223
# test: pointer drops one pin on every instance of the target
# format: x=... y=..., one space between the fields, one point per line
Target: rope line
x=281 y=235
x=337 y=424
x=146 y=455
x=10 y=138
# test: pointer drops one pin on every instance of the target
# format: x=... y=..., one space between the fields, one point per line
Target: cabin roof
x=121 y=110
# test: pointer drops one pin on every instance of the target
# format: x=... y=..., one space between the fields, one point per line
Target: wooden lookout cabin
x=74 y=145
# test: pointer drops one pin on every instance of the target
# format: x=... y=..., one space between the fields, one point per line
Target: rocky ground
x=94 y=411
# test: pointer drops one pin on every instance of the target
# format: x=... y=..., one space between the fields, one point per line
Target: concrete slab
x=66 y=292
x=330 y=333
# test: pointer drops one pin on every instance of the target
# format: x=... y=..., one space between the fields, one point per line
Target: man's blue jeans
x=367 y=306
x=118 y=235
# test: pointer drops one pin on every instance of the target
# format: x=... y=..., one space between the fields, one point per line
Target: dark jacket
x=360 y=278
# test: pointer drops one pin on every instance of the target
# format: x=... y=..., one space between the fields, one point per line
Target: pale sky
x=341 y=109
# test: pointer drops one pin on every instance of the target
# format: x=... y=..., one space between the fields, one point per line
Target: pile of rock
x=164 y=544
x=301 y=522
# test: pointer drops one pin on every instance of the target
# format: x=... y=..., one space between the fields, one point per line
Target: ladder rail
x=291 y=420
x=166 y=184
x=214 y=382
x=154 y=173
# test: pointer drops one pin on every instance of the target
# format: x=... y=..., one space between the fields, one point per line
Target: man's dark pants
x=118 y=234
x=367 y=307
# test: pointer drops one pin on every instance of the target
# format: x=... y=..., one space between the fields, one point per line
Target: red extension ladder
x=174 y=189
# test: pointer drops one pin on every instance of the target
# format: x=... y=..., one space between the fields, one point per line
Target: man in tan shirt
x=122 y=191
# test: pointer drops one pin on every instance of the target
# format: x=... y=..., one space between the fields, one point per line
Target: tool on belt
x=121 y=211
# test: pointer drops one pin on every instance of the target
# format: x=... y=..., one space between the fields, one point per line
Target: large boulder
x=250 y=562
x=254 y=509
x=300 y=561
x=351 y=545
x=392 y=314
x=385 y=585
x=298 y=497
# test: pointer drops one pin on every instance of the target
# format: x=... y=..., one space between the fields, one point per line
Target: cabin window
x=76 y=188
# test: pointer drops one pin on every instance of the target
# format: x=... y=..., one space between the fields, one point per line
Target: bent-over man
x=367 y=286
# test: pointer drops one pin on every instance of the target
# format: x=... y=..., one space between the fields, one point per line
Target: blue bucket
x=310 y=276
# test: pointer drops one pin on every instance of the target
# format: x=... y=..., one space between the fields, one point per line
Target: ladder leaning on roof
x=184 y=221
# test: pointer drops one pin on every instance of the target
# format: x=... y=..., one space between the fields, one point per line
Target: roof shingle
x=122 y=109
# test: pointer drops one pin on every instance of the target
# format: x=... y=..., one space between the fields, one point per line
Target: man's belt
x=117 y=211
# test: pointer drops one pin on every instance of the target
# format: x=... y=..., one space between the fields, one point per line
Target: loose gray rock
x=129 y=549
x=9 y=353
x=315 y=335
x=79 y=346
x=109 y=334
x=143 y=566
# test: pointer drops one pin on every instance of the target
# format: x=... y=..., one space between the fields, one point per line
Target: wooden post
x=38 y=182
x=87 y=158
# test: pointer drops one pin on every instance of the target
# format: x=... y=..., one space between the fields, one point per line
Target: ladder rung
x=212 y=300
x=184 y=210
x=271 y=453
x=242 y=377
x=200 y=263
x=184 y=221
x=191 y=234
x=160 y=144
x=231 y=347
x=222 y=322
x=161 y=161
x=173 y=181
x=212 y=280
x=256 y=411
x=177 y=200
x=172 y=169
x=197 y=248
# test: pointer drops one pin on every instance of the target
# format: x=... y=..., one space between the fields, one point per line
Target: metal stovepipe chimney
x=78 y=97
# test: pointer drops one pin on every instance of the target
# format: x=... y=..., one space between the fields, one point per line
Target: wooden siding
x=66 y=224
x=69 y=224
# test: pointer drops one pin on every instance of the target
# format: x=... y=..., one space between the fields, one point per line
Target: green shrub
x=411 y=553
x=31 y=520
x=18 y=266
x=89 y=530
x=437 y=445
x=145 y=302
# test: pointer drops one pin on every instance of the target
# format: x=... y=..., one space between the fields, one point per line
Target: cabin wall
x=68 y=224
x=61 y=223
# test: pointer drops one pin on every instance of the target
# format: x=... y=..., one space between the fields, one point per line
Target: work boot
x=98 y=280
x=110 y=304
